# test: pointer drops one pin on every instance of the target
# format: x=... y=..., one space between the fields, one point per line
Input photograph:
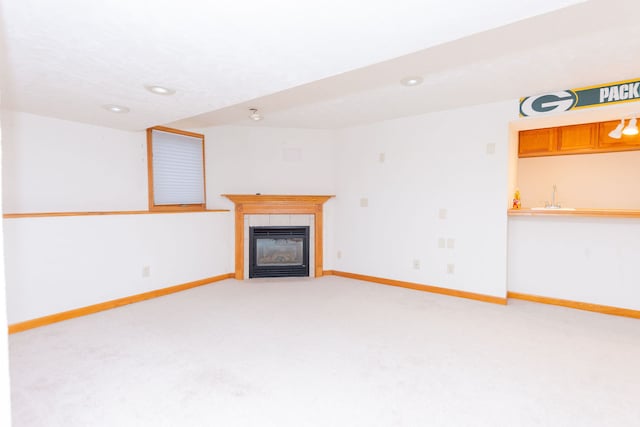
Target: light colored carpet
x=327 y=352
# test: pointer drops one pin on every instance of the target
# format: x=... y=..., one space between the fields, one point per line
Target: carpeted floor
x=327 y=352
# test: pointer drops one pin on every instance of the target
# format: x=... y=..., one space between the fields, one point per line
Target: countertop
x=609 y=213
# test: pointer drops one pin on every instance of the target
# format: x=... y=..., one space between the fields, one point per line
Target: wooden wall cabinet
x=538 y=142
x=585 y=138
x=578 y=138
x=627 y=142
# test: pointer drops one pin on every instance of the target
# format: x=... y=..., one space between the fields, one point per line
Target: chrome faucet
x=553 y=199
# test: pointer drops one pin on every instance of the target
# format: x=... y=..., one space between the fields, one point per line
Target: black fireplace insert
x=278 y=252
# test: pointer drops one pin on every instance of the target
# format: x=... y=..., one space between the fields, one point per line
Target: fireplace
x=278 y=252
x=257 y=205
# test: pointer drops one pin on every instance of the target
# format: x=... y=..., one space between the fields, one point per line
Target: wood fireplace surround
x=256 y=204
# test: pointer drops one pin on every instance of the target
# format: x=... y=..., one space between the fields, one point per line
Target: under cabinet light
x=630 y=130
x=617 y=132
x=632 y=127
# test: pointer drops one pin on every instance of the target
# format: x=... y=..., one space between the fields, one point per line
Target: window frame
x=193 y=207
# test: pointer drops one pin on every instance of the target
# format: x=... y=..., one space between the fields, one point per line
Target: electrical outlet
x=491 y=148
x=441 y=243
x=416 y=264
x=146 y=271
x=451 y=243
x=364 y=202
x=381 y=157
x=442 y=213
x=339 y=254
x=451 y=268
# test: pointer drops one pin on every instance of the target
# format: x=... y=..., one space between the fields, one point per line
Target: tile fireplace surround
x=256 y=204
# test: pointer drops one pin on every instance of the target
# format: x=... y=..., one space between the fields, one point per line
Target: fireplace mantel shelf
x=274 y=199
x=256 y=204
x=277 y=203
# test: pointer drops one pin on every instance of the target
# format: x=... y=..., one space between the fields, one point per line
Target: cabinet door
x=578 y=138
x=538 y=142
x=627 y=142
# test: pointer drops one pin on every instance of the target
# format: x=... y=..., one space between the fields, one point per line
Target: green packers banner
x=584 y=97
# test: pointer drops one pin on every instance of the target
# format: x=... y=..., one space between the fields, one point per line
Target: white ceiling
x=324 y=64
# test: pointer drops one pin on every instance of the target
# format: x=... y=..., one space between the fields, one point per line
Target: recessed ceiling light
x=115 y=108
x=160 y=90
x=412 y=81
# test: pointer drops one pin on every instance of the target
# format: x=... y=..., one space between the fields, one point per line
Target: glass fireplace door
x=278 y=251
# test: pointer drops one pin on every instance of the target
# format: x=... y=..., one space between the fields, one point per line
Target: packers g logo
x=549 y=102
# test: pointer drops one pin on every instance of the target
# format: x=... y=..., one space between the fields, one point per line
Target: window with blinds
x=176 y=169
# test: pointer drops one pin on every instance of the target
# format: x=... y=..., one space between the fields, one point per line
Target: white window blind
x=178 y=171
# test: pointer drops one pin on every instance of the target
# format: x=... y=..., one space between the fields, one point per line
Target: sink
x=553 y=209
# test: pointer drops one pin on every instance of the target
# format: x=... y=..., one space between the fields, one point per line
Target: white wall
x=249 y=160
x=54 y=165
x=5 y=403
x=432 y=162
x=592 y=260
x=59 y=263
